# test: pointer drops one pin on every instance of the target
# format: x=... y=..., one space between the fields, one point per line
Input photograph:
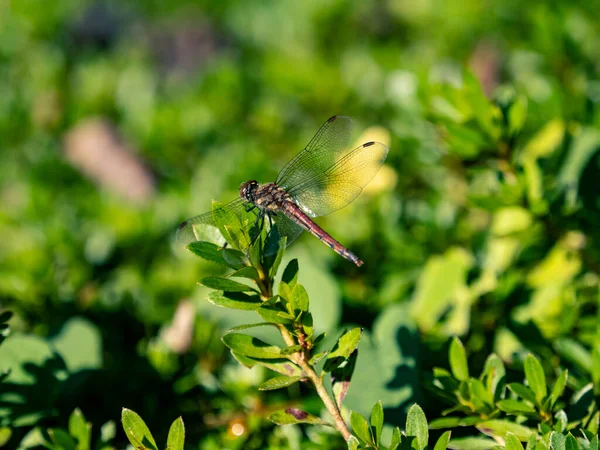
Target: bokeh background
x=118 y=120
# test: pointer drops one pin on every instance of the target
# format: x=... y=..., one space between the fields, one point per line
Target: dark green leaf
x=61 y=439
x=458 y=360
x=224 y=284
x=280 y=365
x=571 y=443
x=176 y=437
x=278 y=383
x=136 y=430
x=234 y=258
x=276 y=261
x=361 y=428
x=522 y=391
x=208 y=251
x=515 y=407
x=342 y=349
x=235 y=300
x=246 y=272
x=273 y=311
x=290 y=274
x=416 y=425
x=573 y=351
x=292 y=415
x=534 y=373
x=250 y=346
x=559 y=386
x=376 y=421
x=5 y=316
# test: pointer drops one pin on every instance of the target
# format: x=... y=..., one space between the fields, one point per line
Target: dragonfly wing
x=325 y=148
x=341 y=182
x=286 y=227
x=204 y=227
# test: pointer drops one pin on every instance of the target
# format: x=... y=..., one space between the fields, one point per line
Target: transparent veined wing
x=327 y=146
x=205 y=226
x=235 y=214
x=341 y=182
x=287 y=227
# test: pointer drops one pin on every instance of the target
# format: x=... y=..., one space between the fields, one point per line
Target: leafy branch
x=256 y=255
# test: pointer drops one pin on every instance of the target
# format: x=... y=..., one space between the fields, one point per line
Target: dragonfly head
x=248 y=189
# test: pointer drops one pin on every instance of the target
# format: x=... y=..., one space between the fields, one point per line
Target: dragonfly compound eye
x=247 y=190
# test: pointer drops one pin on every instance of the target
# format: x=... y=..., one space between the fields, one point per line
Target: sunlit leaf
x=136 y=431
x=278 y=383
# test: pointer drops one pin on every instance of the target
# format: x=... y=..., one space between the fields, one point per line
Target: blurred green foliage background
x=120 y=119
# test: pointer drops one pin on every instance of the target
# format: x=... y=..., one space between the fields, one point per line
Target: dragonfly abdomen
x=292 y=210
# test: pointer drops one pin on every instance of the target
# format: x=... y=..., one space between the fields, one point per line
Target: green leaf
x=395 y=442
x=558 y=441
x=441 y=280
x=61 y=439
x=280 y=365
x=292 y=415
x=560 y=421
x=574 y=352
x=517 y=114
x=442 y=442
x=512 y=406
x=176 y=437
x=273 y=311
x=458 y=360
x=343 y=349
x=559 y=386
x=416 y=425
x=377 y=421
x=361 y=428
x=290 y=274
x=278 y=383
x=232 y=227
x=353 y=443
x=285 y=292
x=5 y=435
x=136 y=430
x=291 y=350
x=512 y=443
x=299 y=298
x=246 y=272
x=208 y=251
x=534 y=373
x=545 y=142
x=80 y=429
x=522 y=391
x=493 y=376
x=499 y=427
x=274 y=266
x=234 y=258
x=225 y=285
x=571 y=443
x=235 y=300
x=341 y=376
x=251 y=346
x=248 y=325
x=317 y=357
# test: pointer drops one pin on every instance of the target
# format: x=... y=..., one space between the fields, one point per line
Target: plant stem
x=316 y=380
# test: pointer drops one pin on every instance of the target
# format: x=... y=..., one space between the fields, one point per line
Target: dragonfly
x=325 y=176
